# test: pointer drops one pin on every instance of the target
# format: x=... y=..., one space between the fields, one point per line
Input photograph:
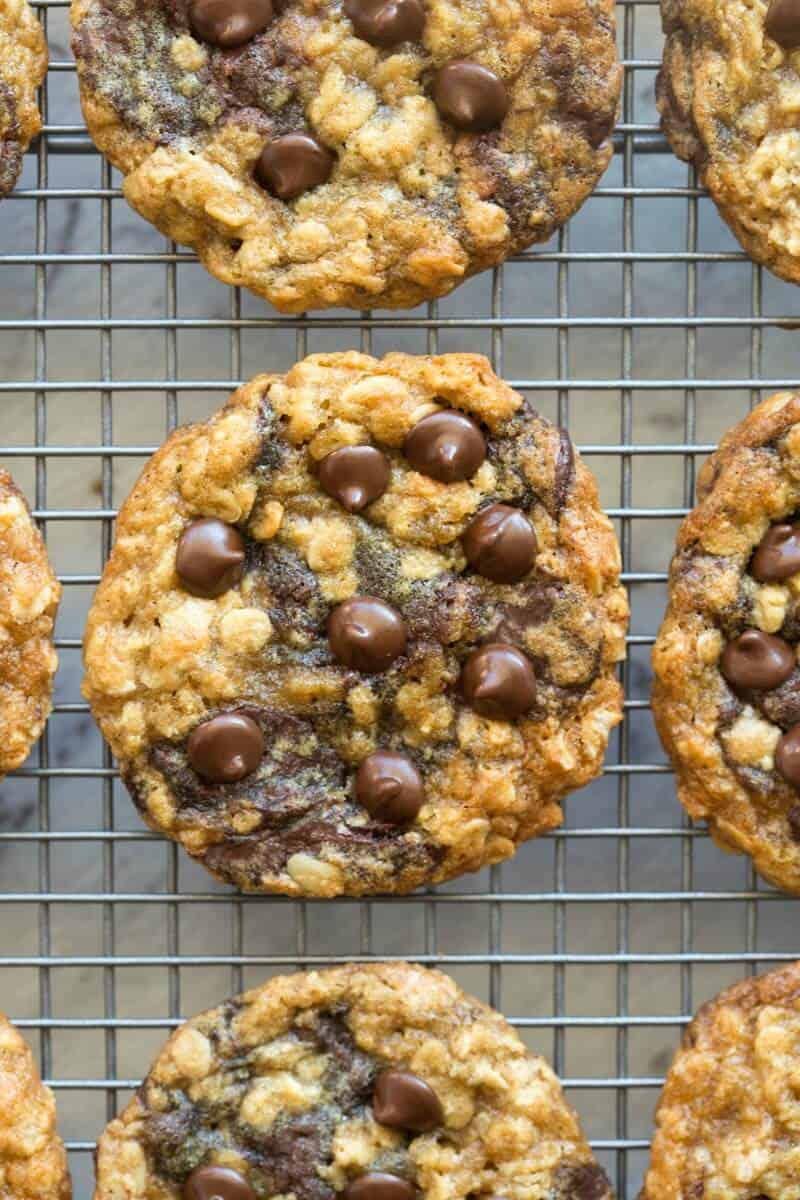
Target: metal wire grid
x=109 y=936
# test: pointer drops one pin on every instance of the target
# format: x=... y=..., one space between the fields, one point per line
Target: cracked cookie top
x=29 y=595
x=23 y=64
x=358 y=630
x=379 y=1082
x=362 y=153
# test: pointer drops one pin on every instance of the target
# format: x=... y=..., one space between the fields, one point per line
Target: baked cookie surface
x=358 y=630
x=365 y=153
x=23 y=65
x=725 y=92
x=726 y=697
x=728 y=1121
x=33 y=1162
x=29 y=595
x=378 y=1082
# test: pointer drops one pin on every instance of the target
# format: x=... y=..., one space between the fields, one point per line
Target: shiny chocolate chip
x=777 y=555
x=404 y=1101
x=498 y=682
x=377 y=1185
x=293 y=164
x=366 y=634
x=226 y=748
x=757 y=661
x=783 y=23
x=387 y=22
x=217 y=1183
x=390 y=788
x=210 y=557
x=447 y=446
x=355 y=476
x=500 y=543
x=470 y=96
x=229 y=23
x=787 y=756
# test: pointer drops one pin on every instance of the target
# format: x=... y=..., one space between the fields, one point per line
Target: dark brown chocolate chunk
x=229 y=23
x=500 y=543
x=217 y=1183
x=390 y=788
x=783 y=23
x=293 y=164
x=470 y=96
x=498 y=681
x=387 y=22
x=447 y=446
x=404 y=1101
x=757 y=661
x=226 y=748
x=587 y=1181
x=377 y=1185
x=366 y=634
x=210 y=557
x=355 y=475
x=787 y=756
x=793 y=821
x=777 y=555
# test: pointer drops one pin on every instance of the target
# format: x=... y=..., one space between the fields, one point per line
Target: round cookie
x=330 y=692
x=726 y=697
x=728 y=1121
x=33 y=1162
x=23 y=65
x=378 y=1082
x=725 y=97
x=369 y=153
x=29 y=595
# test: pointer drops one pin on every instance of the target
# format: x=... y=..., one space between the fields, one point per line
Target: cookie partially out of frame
x=23 y=64
x=726 y=697
x=728 y=1122
x=29 y=595
x=379 y=1082
x=369 y=153
x=358 y=632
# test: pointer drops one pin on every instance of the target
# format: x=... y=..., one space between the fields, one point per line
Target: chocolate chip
x=355 y=476
x=757 y=661
x=783 y=23
x=390 y=788
x=787 y=756
x=777 y=555
x=387 y=22
x=226 y=748
x=585 y=1182
x=229 y=23
x=293 y=164
x=470 y=96
x=379 y=1186
x=498 y=682
x=405 y=1101
x=500 y=543
x=793 y=821
x=366 y=634
x=217 y=1183
x=447 y=446
x=210 y=557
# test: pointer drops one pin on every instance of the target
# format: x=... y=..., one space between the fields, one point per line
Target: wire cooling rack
x=646 y=331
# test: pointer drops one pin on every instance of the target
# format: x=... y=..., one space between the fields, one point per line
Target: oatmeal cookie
x=370 y=153
x=358 y=631
x=23 y=65
x=29 y=595
x=33 y=1163
x=378 y=1082
x=728 y=1122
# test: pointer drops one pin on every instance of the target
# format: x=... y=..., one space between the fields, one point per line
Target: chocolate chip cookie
x=379 y=1082
x=726 y=697
x=29 y=595
x=728 y=1122
x=33 y=1163
x=23 y=65
x=358 y=631
x=727 y=94
x=370 y=153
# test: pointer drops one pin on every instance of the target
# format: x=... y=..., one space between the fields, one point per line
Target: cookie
x=728 y=1121
x=725 y=94
x=358 y=630
x=33 y=1162
x=23 y=65
x=29 y=595
x=726 y=697
x=378 y=1082
x=370 y=153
